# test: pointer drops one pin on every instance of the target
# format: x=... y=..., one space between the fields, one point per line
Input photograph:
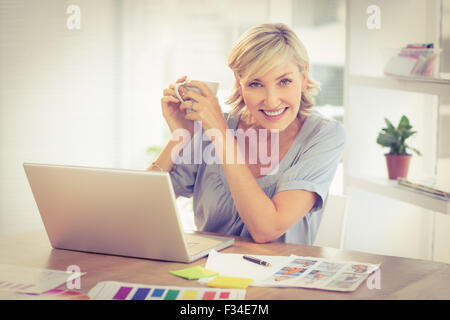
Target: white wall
x=91 y=96
x=58 y=96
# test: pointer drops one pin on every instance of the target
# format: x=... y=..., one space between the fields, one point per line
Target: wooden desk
x=401 y=278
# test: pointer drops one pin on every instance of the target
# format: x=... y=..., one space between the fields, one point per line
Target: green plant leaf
x=389 y=124
x=404 y=124
x=386 y=139
x=394 y=138
x=389 y=130
x=408 y=134
x=413 y=149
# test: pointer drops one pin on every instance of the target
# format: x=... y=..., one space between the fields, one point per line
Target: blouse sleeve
x=184 y=174
x=314 y=168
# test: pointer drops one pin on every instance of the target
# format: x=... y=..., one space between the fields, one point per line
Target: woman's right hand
x=174 y=116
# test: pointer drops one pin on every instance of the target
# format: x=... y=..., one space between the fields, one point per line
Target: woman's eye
x=283 y=82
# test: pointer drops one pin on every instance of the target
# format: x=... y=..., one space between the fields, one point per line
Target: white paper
x=233 y=265
x=400 y=65
x=292 y=271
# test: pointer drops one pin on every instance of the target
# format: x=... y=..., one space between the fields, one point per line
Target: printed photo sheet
x=310 y=272
x=293 y=271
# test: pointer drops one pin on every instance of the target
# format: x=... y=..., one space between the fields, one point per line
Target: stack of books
x=425 y=188
x=417 y=59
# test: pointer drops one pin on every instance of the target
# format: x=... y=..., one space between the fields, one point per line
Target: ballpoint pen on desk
x=256 y=260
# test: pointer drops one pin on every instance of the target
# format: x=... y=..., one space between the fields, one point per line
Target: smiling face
x=274 y=99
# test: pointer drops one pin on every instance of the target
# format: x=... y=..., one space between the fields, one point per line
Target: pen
x=256 y=260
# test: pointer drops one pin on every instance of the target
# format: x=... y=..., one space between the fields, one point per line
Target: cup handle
x=177 y=86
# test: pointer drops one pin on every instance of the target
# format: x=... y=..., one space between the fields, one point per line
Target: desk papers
x=293 y=271
x=32 y=280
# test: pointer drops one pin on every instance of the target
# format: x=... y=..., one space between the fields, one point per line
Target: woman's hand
x=205 y=106
x=173 y=114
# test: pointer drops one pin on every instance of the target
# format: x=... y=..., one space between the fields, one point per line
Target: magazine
x=424 y=188
x=318 y=273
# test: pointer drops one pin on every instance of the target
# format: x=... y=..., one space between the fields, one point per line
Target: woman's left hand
x=205 y=106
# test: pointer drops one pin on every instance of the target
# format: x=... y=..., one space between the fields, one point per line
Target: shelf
x=434 y=86
x=392 y=190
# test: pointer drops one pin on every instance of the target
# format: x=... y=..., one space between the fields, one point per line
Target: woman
x=273 y=93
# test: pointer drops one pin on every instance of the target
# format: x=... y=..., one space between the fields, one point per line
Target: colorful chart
x=60 y=294
x=111 y=290
x=54 y=294
x=31 y=280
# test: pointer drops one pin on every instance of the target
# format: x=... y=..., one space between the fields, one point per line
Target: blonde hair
x=262 y=48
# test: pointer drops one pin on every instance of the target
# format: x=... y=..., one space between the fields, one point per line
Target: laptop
x=114 y=211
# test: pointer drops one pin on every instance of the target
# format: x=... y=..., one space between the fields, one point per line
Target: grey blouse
x=309 y=164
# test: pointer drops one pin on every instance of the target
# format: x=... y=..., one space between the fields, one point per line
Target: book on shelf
x=425 y=188
x=414 y=60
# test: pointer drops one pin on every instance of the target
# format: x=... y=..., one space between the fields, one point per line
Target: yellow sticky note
x=196 y=272
x=230 y=282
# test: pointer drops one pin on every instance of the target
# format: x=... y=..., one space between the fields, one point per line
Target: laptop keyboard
x=192 y=244
x=197 y=243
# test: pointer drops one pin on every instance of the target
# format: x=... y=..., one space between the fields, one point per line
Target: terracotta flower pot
x=397 y=165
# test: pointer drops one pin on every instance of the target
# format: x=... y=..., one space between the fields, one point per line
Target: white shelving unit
x=383 y=186
x=408 y=226
x=391 y=189
x=433 y=86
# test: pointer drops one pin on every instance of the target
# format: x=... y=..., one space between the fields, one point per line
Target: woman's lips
x=274 y=115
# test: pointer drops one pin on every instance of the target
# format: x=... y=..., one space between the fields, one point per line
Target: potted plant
x=397 y=159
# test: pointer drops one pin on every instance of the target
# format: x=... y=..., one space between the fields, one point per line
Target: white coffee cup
x=213 y=86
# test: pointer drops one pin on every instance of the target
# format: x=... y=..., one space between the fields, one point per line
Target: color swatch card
x=112 y=290
x=31 y=280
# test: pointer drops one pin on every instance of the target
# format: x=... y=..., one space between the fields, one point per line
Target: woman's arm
x=178 y=125
x=164 y=162
x=266 y=219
